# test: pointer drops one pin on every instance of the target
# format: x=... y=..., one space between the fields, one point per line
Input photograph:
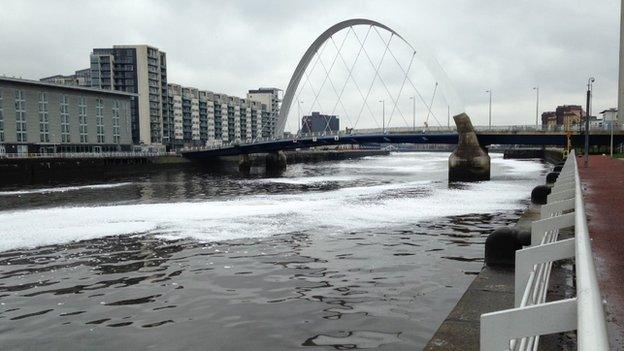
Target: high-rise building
x=318 y=123
x=271 y=98
x=139 y=69
x=81 y=78
x=201 y=118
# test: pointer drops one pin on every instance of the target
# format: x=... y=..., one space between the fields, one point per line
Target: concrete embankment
x=493 y=290
x=15 y=171
x=20 y=171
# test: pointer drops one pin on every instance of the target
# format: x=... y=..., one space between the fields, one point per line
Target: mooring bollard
x=540 y=194
x=552 y=177
x=501 y=246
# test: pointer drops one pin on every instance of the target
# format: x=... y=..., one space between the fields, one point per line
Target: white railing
x=519 y=328
x=86 y=154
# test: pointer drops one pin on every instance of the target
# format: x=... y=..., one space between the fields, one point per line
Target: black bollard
x=552 y=177
x=501 y=246
x=540 y=194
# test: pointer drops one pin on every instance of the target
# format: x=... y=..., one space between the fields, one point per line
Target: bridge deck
x=604 y=203
x=485 y=138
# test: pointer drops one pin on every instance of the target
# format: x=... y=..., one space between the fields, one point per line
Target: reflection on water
x=314 y=286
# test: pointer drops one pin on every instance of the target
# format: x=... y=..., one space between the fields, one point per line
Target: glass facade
x=64 y=110
x=44 y=118
x=83 y=120
x=20 y=116
x=1 y=119
x=99 y=120
x=115 y=120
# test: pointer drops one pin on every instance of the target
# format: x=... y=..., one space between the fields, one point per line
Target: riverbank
x=493 y=290
x=25 y=171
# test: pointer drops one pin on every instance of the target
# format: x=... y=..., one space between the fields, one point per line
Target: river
x=360 y=254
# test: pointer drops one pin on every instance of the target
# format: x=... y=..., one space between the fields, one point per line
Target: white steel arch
x=309 y=55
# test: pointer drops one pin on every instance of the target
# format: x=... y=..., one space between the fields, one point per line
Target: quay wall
x=493 y=290
x=16 y=171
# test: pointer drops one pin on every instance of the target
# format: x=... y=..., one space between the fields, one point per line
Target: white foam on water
x=62 y=189
x=517 y=166
x=305 y=180
x=346 y=209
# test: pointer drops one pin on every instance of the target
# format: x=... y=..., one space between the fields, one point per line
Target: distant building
x=609 y=118
x=139 y=69
x=569 y=116
x=318 y=123
x=39 y=117
x=201 y=118
x=271 y=98
x=81 y=78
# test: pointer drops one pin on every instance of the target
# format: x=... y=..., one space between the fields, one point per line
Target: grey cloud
x=231 y=46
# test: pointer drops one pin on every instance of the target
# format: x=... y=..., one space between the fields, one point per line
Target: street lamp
x=413 y=98
x=383 y=116
x=299 y=102
x=536 y=88
x=490 y=113
x=590 y=83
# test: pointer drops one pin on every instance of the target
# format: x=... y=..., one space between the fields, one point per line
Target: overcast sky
x=233 y=46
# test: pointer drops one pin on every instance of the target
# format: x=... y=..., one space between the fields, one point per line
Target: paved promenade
x=603 y=182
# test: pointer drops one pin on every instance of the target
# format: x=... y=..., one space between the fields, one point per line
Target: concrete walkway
x=493 y=290
x=603 y=184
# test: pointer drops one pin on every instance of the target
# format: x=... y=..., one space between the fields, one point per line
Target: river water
x=360 y=254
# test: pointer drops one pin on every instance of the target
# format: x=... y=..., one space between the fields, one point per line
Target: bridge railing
x=520 y=328
x=512 y=129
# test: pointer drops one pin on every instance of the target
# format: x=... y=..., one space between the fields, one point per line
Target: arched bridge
x=403 y=92
x=509 y=137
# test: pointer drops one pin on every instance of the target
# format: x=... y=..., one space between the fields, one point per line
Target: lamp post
x=383 y=116
x=490 y=111
x=590 y=82
x=536 y=88
x=448 y=116
x=612 y=121
x=413 y=98
x=299 y=102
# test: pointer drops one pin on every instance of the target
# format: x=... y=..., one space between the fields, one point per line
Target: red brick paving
x=603 y=182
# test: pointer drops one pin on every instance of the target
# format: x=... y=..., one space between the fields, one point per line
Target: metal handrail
x=592 y=329
x=519 y=328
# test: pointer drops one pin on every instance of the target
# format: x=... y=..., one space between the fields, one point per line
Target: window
x=20 y=116
x=1 y=120
x=64 y=109
x=82 y=119
x=99 y=120
x=44 y=125
x=116 y=122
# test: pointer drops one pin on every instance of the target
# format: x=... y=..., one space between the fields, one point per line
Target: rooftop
x=61 y=86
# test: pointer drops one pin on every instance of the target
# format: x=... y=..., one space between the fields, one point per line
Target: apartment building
x=318 y=123
x=139 y=69
x=81 y=78
x=272 y=99
x=39 y=117
x=201 y=118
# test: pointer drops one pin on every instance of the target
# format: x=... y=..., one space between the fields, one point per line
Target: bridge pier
x=244 y=164
x=275 y=163
x=469 y=162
